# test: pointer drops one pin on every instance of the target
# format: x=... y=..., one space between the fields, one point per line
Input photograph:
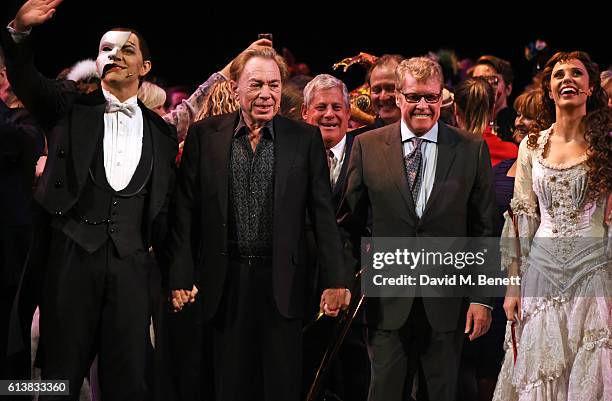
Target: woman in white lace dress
x=561 y=212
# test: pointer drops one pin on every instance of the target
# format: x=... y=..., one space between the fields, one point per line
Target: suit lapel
x=218 y=155
x=394 y=159
x=162 y=146
x=342 y=175
x=445 y=159
x=285 y=149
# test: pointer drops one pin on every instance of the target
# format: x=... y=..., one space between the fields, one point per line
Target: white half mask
x=113 y=40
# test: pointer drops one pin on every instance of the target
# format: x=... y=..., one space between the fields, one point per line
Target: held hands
x=181 y=298
x=480 y=317
x=34 y=12
x=335 y=299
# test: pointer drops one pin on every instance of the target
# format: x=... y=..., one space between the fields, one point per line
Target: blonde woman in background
x=474 y=101
x=221 y=100
x=153 y=97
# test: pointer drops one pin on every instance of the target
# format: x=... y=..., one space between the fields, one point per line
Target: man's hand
x=34 y=12
x=181 y=298
x=259 y=42
x=478 y=316
x=334 y=299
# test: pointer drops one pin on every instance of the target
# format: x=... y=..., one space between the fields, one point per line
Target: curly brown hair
x=597 y=122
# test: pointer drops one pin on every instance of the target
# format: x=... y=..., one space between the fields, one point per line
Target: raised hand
x=259 y=42
x=34 y=12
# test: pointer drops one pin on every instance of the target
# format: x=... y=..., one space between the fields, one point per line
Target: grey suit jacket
x=461 y=204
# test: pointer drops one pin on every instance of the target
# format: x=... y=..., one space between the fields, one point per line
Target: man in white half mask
x=102 y=204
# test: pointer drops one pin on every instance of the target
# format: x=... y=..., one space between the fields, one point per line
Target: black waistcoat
x=101 y=213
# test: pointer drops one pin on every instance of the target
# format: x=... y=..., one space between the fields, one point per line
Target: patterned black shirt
x=252 y=192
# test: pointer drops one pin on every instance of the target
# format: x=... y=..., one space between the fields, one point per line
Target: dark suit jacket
x=461 y=204
x=340 y=182
x=73 y=123
x=313 y=284
x=21 y=144
x=199 y=236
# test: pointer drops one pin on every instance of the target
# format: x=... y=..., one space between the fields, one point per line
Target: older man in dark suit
x=326 y=105
x=103 y=198
x=246 y=181
x=421 y=178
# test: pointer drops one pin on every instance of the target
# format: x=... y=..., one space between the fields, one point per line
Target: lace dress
x=565 y=337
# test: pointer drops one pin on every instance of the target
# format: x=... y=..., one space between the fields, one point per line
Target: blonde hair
x=257 y=51
x=220 y=100
x=151 y=95
x=475 y=99
x=420 y=68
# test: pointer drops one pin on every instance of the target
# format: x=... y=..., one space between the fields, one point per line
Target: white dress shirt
x=122 y=142
x=122 y=134
x=429 y=149
x=338 y=151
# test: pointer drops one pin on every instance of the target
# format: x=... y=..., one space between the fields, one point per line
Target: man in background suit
x=381 y=78
x=245 y=184
x=326 y=105
x=421 y=178
x=102 y=203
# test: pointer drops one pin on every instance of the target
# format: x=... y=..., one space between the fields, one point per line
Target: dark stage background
x=190 y=40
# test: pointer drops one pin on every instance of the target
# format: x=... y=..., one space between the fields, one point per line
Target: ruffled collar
x=543 y=141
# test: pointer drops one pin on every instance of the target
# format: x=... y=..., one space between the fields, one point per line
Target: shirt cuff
x=485 y=305
x=18 y=36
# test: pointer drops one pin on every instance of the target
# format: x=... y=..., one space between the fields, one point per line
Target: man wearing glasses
x=421 y=178
x=498 y=72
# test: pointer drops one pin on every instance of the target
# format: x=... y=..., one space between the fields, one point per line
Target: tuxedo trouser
x=14 y=243
x=184 y=355
x=257 y=351
x=395 y=356
x=95 y=304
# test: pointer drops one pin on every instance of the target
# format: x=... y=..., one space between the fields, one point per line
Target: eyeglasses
x=491 y=79
x=416 y=97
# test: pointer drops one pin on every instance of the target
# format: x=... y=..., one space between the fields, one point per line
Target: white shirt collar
x=112 y=98
x=431 y=135
x=338 y=150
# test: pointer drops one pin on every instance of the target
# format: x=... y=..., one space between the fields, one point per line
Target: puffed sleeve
x=184 y=113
